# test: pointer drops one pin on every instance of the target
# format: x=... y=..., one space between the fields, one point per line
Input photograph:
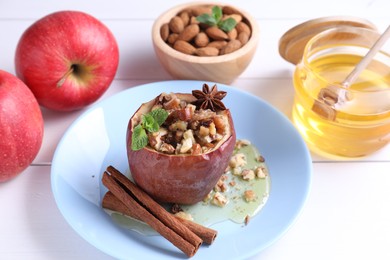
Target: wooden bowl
x=224 y=68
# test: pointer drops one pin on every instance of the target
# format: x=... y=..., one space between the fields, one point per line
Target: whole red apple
x=68 y=59
x=21 y=126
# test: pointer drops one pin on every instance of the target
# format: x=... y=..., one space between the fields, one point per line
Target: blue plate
x=97 y=139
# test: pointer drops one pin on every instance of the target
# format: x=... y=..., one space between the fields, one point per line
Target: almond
x=217 y=44
x=243 y=37
x=172 y=38
x=243 y=27
x=201 y=40
x=176 y=24
x=164 y=31
x=189 y=32
x=207 y=51
x=231 y=46
x=184 y=47
x=232 y=34
x=230 y=10
x=193 y=20
x=185 y=17
x=236 y=17
x=198 y=10
x=216 y=34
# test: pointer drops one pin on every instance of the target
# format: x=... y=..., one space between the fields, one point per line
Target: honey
x=362 y=122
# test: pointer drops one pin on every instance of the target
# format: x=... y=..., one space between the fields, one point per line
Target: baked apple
x=179 y=145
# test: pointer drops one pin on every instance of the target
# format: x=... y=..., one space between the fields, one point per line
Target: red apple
x=68 y=59
x=182 y=178
x=21 y=126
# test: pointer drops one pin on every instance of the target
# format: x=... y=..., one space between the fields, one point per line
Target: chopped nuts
x=219 y=200
x=248 y=175
x=237 y=171
x=247 y=219
x=249 y=195
x=208 y=197
x=167 y=148
x=237 y=160
x=234 y=185
x=187 y=130
x=260 y=158
x=261 y=172
x=221 y=185
x=184 y=215
x=242 y=143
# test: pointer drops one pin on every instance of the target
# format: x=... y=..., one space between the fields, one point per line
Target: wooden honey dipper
x=332 y=95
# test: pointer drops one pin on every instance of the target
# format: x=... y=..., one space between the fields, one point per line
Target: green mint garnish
x=215 y=19
x=139 y=138
x=227 y=25
x=217 y=13
x=150 y=122
x=159 y=115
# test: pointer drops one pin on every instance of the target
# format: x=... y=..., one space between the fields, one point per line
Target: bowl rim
x=165 y=48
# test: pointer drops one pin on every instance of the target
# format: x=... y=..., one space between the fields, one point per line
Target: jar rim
x=310 y=49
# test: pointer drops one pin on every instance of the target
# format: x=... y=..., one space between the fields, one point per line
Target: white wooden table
x=347 y=215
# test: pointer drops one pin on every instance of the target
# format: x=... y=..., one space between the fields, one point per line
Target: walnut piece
x=221 y=185
x=261 y=172
x=248 y=175
x=242 y=143
x=184 y=215
x=237 y=160
x=249 y=195
x=219 y=200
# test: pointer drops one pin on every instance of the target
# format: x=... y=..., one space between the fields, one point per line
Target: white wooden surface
x=347 y=215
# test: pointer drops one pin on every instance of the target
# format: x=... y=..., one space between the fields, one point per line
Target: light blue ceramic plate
x=97 y=139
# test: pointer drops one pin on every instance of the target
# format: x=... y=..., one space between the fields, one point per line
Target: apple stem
x=62 y=80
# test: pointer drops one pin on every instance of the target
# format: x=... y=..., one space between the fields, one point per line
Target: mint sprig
x=150 y=122
x=215 y=19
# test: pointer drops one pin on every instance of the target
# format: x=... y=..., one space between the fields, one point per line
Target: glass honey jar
x=335 y=119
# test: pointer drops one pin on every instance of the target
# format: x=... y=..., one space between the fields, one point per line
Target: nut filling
x=191 y=127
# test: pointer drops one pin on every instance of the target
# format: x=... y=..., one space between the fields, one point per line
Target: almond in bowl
x=179 y=145
x=211 y=42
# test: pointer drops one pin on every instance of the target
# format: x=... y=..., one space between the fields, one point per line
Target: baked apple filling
x=183 y=124
x=187 y=130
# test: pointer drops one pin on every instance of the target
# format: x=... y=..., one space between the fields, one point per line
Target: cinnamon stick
x=208 y=235
x=111 y=202
x=149 y=211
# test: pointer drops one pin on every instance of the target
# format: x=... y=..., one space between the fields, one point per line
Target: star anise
x=207 y=99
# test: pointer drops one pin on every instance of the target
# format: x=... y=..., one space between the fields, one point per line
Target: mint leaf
x=215 y=19
x=139 y=139
x=227 y=25
x=148 y=123
x=217 y=13
x=206 y=19
x=159 y=115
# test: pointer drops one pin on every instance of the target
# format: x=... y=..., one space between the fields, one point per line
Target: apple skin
x=21 y=126
x=182 y=179
x=49 y=49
